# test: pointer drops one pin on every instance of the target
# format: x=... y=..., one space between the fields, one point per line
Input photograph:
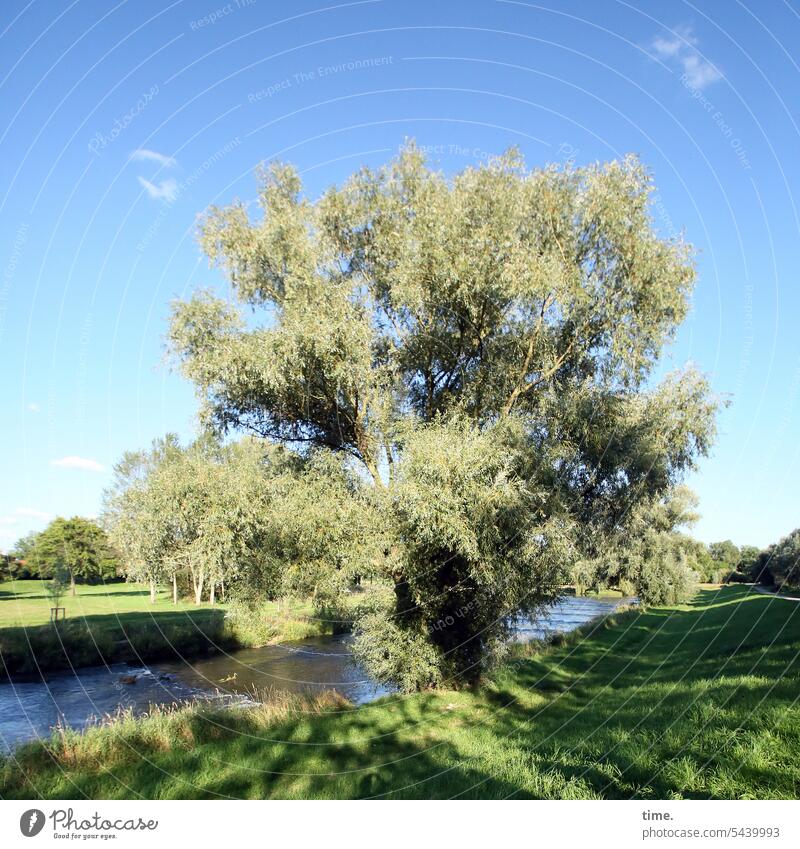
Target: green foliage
x=472 y=554
x=779 y=564
x=57 y=585
x=725 y=554
x=198 y=510
x=78 y=545
x=652 y=556
x=324 y=529
x=406 y=325
x=748 y=558
x=397 y=655
x=19 y=563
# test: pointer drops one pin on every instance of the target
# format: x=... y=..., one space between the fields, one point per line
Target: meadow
x=116 y=621
x=693 y=701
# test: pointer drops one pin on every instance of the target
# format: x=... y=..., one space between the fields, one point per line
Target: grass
x=697 y=701
x=114 y=622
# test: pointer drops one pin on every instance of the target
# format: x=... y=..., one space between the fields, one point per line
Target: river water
x=29 y=710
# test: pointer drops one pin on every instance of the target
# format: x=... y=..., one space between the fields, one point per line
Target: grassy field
x=25 y=603
x=118 y=622
x=695 y=701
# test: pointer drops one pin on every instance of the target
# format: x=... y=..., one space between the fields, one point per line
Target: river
x=29 y=710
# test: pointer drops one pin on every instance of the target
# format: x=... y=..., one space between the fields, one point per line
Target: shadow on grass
x=635 y=710
x=110 y=638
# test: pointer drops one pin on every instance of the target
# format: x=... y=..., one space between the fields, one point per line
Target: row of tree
x=447 y=384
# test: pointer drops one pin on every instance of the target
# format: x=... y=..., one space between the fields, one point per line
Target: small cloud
x=680 y=48
x=165 y=190
x=143 y=155
x=73 y=462
x=33 y=407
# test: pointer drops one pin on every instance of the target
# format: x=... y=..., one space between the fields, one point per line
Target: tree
x=405 y=311
x=195 y=510
x=79 y=545
x=748 y=558
x=474 y=556
x=20 y=562
x=136 y=514
x=779 y=564
x=654 y=557
x=724 y=553
x=56 y=587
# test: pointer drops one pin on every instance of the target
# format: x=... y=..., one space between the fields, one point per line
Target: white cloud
x=24 y=513
x=165 y=190
x=73 y=462
x=680 y=48
x=143 y=155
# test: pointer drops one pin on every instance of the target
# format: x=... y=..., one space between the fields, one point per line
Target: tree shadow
x=110 y=638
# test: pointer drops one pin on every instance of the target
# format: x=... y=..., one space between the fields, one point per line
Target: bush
x=666 y=580
x=396 y=655
x=736 y=577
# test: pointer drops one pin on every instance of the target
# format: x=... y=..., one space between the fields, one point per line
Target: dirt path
x=764 y=591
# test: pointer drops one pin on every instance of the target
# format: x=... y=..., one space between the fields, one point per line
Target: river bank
x=697 y=701
x=76 y=698
x=116 y=623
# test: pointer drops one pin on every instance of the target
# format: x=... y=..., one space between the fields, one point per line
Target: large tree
x=410 y=323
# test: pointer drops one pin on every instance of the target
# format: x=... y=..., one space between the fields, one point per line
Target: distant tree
x=136 y=514
x=21 y=564
x=748 y=558
x=78 y=544
x=197 y=511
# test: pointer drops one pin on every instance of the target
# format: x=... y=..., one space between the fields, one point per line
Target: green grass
x=695 y=701
x=114 y=622
x=25 y=603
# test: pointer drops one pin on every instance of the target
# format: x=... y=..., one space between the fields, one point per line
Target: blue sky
x=122 y=121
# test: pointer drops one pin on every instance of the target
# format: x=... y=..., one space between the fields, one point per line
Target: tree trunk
x=212 y=593
x=72 y=590
x=198 y=581
x=222 y=588
x=174 y=588
x=152 y=591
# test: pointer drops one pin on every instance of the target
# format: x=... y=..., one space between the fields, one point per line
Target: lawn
x=26 y=602
x=113 y=622
x=696 y=701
